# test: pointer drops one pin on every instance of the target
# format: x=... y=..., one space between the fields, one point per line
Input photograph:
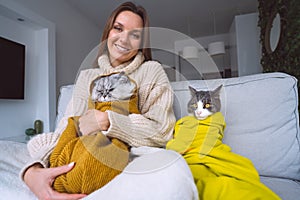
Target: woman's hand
x=93 y=120
x=40 y=181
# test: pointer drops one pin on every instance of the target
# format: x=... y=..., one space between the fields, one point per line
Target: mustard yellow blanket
x=98 y=158
x=218 y=172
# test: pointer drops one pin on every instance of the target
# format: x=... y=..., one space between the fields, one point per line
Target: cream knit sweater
x=153 y=127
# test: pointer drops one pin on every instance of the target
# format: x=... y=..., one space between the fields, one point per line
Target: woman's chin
x=120 y=57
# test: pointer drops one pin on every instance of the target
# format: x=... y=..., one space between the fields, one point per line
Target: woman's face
x=125 y=37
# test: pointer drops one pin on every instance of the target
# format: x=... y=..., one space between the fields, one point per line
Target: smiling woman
x=124 y=49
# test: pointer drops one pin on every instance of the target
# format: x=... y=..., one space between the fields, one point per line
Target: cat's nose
x=198 y=112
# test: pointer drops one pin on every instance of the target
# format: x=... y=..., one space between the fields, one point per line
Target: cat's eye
x=195 y=105
x=207 y=105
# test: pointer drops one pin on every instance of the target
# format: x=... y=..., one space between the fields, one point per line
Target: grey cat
x=204 y=103
x=112 y=88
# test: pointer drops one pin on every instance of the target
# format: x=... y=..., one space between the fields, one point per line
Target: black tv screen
x=12 y=69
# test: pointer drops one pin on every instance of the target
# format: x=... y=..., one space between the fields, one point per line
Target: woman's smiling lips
x=121 y=49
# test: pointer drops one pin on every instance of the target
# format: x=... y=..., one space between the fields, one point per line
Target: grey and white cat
x=112 y=88
x=204 y=103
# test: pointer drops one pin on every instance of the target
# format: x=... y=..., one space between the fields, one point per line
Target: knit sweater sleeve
x=41 y=146
x=154 y=126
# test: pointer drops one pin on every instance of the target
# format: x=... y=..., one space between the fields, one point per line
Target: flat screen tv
x=12 y=69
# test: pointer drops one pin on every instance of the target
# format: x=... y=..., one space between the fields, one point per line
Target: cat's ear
x=193 y=90
x=217 y=90
x=123 y=78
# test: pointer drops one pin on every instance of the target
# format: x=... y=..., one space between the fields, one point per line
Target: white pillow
x=65 y=95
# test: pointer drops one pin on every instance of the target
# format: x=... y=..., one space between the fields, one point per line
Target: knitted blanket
x=98 y=158
x=218 y=172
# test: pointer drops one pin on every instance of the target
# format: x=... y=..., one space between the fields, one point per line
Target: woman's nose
x=123 y=37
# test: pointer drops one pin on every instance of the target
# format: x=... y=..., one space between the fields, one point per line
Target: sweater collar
x=127 y=67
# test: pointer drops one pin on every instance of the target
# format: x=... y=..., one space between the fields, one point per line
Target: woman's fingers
x=40 y=181
x=56 y=171
x=64 y=196
x=93 y=121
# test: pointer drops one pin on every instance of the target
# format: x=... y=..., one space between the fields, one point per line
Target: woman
x=124 y=47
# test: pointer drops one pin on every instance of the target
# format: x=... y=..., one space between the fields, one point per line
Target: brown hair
x=139 y=10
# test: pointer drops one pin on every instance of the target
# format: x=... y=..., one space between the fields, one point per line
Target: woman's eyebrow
x=138 y=30
x=133 y=30
x=118 y=23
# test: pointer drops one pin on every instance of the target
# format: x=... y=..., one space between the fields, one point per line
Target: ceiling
x=194 y=18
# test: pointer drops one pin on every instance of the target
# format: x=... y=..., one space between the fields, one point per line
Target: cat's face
x=112 y=88
x=204 y=103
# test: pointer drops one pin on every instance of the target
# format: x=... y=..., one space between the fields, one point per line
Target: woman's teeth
x=120 y=48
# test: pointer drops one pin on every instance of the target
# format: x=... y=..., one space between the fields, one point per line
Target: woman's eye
x=136 y=36
x=119 y=29
x=207 y=105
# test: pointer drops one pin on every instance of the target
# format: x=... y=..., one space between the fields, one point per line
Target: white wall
x=75 y=36
x=17 y=115
x=205 y=64
x=244 y=44
x=244 y=50
x=233 y=48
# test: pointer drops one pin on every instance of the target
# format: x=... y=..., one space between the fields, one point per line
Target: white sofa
x=261 y=113
x=262 y=124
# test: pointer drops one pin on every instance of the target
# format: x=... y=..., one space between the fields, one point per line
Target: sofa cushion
x=261 y=113
x=65 y=94
x=284 y=188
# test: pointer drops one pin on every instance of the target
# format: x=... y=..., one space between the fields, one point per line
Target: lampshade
x=190 y=52
x=216 y=48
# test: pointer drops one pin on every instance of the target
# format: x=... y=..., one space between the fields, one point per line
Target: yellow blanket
x=218 y=172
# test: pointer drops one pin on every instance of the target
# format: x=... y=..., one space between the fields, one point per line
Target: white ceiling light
x=190 y=52
x=216 y=48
